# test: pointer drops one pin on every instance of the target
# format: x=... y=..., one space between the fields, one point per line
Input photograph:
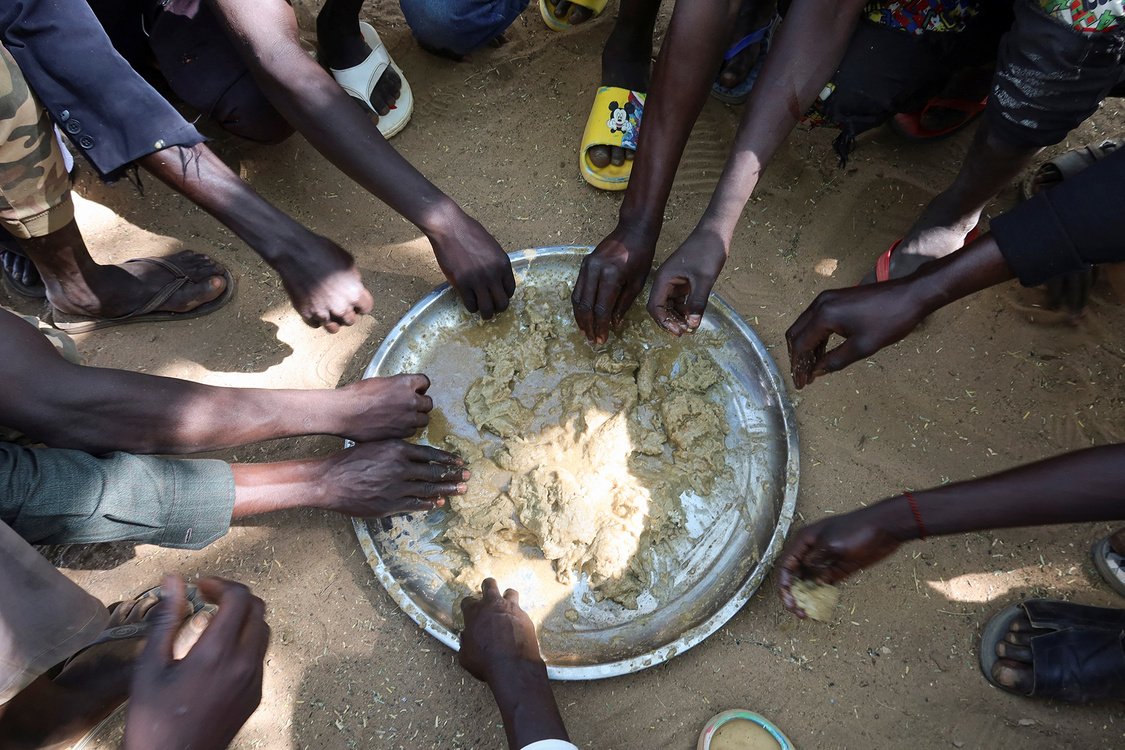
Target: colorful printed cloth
x=922 y=16
x=1087 y=15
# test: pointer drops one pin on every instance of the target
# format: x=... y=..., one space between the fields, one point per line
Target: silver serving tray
x=737 y=532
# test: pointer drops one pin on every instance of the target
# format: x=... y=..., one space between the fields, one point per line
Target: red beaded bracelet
x=917 y=515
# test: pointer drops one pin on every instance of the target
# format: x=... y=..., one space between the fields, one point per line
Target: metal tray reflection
x=738 y=531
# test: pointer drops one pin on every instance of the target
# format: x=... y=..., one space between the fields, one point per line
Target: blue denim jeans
x=460 y=26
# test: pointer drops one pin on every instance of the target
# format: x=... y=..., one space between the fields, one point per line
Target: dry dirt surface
x=988 y=383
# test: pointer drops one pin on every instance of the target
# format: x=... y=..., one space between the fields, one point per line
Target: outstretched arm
x=613 y=275
x=803 y=56
x=265 y=33
x=321 y=279
x=499 y=646
x=874 y=316
x=99 y=410
x=1073 y=488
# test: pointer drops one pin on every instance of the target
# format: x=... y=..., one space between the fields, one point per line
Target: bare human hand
x=498 y=635
x=322 y=282
x=609 y=281
x=475 y=265
x=201 y=701
x=379 y=479
x=868 y=317
x=830 y=550
x=684 y=281
x=384 y=408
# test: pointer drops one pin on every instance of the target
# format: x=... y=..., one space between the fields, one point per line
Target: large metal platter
x=737 y=532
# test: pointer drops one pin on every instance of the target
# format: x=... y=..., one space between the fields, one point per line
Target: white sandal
x=359 y=81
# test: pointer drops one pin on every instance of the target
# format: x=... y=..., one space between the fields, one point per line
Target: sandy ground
x=986 y=384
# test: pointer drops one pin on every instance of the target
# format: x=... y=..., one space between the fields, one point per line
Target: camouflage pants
x=34 y=184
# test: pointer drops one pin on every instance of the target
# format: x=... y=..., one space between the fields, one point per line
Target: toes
x=599 y=156
x=629 y=154
x=1013 y=652
x=1014 y=676
x=580 y=15
x=562 y=8
x=617 y=155
x=197 y=266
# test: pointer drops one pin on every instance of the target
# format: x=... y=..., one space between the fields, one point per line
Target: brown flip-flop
x=147 y=313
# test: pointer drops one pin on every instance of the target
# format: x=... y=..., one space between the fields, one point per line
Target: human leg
x=454 y=28
x=202 y=67
x=626 y=63
x=343 y=46
x=36 y=207
x=1049 y=79
x=65 y=660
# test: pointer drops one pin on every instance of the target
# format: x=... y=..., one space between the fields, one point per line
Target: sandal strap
x=753 y=37
x=1051 y=614
x=1079 y=665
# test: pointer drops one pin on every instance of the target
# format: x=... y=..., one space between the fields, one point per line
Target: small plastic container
x=737 y=714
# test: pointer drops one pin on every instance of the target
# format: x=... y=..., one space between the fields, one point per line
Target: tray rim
x=690 y=637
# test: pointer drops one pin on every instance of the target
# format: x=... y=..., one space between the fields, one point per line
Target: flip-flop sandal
x=1066 y=165
x=146 y=313
x=615 y=120
x=740 y=93
x=1082 y=660
x=555 y=24
x=136 y=630
x=883 y=265
x=910 y=126
x=359 y=81
x=756 y=730
x=34 y=291
x=1110 y=565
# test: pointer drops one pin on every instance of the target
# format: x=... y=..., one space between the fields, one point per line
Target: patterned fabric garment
x=34 y=184
x=922 y=16
x=1087 y=15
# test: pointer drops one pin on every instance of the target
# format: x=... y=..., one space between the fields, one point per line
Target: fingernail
x=466 y=474
x=462 y=487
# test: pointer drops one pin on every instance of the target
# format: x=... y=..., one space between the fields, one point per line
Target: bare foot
x=20 y=269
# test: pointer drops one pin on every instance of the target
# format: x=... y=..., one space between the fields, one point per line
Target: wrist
x=440 y=217
x=895 y=517
x=640 y=224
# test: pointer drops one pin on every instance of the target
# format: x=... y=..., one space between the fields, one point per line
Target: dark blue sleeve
x=1078 y=222
x=104 y=106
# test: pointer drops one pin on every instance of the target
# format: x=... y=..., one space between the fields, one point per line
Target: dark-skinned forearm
x=100 y=410
x=803 y=56
x=681 y=82
x=977 y=266
x=1084 y=486
x=265 y=35
x=527 y=705
x=200 y=176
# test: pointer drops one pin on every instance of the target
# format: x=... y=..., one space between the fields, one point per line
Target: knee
x=459 y=26
x=243 y=110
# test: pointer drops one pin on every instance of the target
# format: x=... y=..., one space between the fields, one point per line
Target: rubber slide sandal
x=554 y=24
x=359 y=82
x=615 y=120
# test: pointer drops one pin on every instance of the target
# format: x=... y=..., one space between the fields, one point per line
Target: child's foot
x=752 y=15
x=626 y=62
x=569 y=12
x=342 y=46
